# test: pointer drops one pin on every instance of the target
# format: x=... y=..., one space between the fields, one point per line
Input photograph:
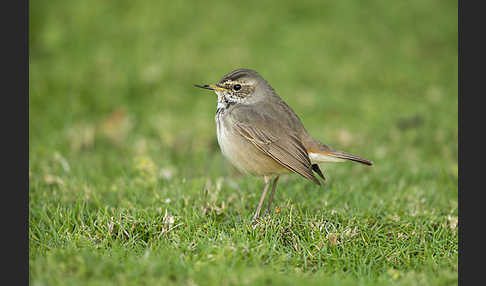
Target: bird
x=260 y=134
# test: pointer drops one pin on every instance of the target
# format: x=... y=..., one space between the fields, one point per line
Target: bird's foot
x=267 y=213
x=254 y=221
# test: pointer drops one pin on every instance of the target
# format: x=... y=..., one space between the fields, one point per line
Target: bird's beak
x=211 y=87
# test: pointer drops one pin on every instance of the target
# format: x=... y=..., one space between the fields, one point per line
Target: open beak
x=211 y=87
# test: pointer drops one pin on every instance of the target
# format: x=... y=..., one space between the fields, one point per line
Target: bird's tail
x=336 y=156
x=320 y=152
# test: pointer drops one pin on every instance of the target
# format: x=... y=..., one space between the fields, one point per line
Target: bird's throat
x=224 y=103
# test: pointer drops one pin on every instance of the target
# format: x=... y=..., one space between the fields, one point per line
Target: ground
x=127 y=185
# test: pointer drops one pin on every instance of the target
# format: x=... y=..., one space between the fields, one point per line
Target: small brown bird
x=262 y=136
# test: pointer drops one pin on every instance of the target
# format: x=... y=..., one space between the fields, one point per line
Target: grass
x=127 y=183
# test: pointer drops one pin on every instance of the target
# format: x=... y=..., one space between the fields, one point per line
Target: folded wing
x=274 y=139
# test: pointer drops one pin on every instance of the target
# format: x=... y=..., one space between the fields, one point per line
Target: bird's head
x=240 y=86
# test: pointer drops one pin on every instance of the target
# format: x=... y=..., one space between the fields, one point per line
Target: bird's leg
x=262 y=198
x=274 y=187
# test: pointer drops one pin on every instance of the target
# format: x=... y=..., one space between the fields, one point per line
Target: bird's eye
x=237 y=87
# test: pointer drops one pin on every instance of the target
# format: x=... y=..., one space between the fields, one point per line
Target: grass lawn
x=127 y=185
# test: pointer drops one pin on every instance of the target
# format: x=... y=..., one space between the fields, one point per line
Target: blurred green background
x=112 y=101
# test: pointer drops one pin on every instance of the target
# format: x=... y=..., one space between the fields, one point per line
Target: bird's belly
x=245 y=156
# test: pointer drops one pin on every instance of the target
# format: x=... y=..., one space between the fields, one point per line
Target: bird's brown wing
x=273 y=138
